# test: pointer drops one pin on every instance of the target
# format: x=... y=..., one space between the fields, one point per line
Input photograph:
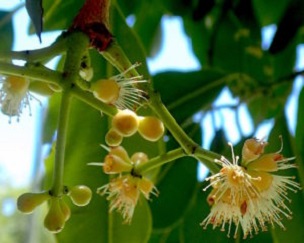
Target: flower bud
x=80 y=195
x=120 y=152
x=106 y=90
x=151 y=128
x=66 y=211
x=86 y=73
x=27 y=202
x=125 y=122
x=55 y=219
x=113 y=138
x=252 y=150
x=139 y=157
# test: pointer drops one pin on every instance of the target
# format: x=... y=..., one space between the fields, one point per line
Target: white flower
x=120 y=91
x=250 y=197
x=124 y=191
x=14 y=95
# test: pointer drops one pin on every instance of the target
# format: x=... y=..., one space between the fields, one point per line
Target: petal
x=267 y=162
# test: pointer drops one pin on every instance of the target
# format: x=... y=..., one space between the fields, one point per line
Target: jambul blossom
x=119 y=90
x=14 y=95
x=124 y=191
x=250 y=195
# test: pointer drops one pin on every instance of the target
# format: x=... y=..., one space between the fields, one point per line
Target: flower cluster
x=250 y=195
x=124 y=191
x=14 y=95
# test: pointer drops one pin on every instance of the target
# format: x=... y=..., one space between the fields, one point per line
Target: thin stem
x=170 y=123
x=58 y=47
x=60 y=144
x=77 y=45
x=207 y=158
x=39 y=73
x=159 y=160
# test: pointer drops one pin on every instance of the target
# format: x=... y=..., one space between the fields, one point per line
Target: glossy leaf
x=299 y=139
x=193 y=90
x=59 y=14
x=128 y=40
x=269 y=12
x=147 y=26
x=6 y=31
x=270 y=105
x=288 y=26
x=35 y=11
x=176 y=183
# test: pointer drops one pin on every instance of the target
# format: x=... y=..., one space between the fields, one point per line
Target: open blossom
x=124 y=191
x=250 y=195
x=119 y=90
x=116 y=161
x=14 y=95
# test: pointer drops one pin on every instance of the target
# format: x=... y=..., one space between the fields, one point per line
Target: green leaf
x=187 y=93
x=6 y=31
x=299 y=139
x=128 y=40
x=283 y=63
x=176 y=184
x=200 y=38
x=241 y=47
x=202 y=9
x=269 y=12
x=176 y=187
x=269 y=104
x=138 y=231
x=51 y=119
x=59 y=14
x=129 y=9
x=35 y=11
x=147 y=26
x=288 y=26
x=177 y=7
x=300 y=122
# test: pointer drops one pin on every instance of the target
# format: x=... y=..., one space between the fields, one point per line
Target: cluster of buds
x=250 y=195
x=59 y=212
x=126 y=123
x=124 y=191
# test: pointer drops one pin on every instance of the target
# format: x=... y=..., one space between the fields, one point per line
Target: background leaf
x=35 y=11
x=195 y=90
x=6 y=31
